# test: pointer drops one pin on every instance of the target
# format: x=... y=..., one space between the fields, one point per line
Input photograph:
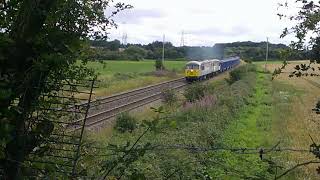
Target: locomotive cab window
x=192 y=66
x=202 y=67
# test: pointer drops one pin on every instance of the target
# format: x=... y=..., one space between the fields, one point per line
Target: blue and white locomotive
x=200 y=70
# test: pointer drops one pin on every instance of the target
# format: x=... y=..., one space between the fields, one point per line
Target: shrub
x=159 y=65
x=240 y=72
x=125 y=123
x=195 y=92
x=249 y=61
x=169 y=96
x=124 y=76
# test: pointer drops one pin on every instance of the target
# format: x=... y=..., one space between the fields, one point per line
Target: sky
x=204 y=22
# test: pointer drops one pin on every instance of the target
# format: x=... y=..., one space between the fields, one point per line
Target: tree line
x=255 y=51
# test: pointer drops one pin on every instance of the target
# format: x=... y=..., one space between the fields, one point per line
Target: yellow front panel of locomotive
x=192 y=73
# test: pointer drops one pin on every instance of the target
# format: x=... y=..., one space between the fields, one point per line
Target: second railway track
x=106 y=108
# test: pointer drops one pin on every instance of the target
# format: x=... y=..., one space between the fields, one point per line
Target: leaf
x=173 y=124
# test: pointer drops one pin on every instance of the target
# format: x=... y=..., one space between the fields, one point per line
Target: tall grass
x=200 y=122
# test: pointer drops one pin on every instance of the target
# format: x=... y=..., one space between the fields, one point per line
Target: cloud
x=137 y=16
x=218 y=31
x=204 y=22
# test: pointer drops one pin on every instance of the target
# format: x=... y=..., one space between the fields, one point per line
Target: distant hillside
x=256 y=50
x=113 y=50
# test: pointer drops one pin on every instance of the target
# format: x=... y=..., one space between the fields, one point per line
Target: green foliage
x=249 y=61
x=247 y=50
x=305 y=29
x=125 y=123
x=124 y=158
x=169 y=96
x=123 y=161
x=198 y=124
x=195 y=92
x=306 y=22
x=107 y=45
x=40 y=42
x=135 y=53
x=159 y=65
x=238 y=73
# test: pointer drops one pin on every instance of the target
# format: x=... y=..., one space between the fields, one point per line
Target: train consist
x=200 y=70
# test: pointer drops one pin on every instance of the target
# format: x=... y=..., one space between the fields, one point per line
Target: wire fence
x=60 y=148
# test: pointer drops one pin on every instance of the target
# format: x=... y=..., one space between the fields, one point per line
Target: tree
x=307 y=23
x=135 y=53
x=40 y=41
x=159 y=65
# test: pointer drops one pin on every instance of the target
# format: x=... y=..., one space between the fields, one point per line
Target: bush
x=195 y=92
x=240 y=72
x=124 y=76
x=169 y=96
x=249 y=61
x=159 y=65
x=125 y=123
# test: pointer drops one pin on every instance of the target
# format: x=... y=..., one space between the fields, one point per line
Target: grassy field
x=112 y=67
x=296 y=120
x=119 y=76
x=200 y=123
x=253 y=112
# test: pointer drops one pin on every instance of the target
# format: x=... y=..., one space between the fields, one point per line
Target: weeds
x=169 y=97
x=195 y=92
x=240 y=72
x=202 y=121
x=125 y=123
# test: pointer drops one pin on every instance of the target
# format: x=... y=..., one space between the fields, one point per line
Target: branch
x=296 y=166
x=129 y=151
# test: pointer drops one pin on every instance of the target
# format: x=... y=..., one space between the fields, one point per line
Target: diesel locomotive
x=200 y=70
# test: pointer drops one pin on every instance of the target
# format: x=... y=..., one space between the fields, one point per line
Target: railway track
x=104 y=109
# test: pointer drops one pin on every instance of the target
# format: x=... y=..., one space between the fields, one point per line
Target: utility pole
x=124 y=39
x=267 y=54
x=182 y=39
x=163 y=42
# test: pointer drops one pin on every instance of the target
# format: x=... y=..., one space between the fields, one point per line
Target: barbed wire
x=238 y=150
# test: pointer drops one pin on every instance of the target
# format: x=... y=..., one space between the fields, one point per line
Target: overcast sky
x=205 y=22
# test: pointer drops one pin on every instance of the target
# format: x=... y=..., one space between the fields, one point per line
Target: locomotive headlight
x=191 y=70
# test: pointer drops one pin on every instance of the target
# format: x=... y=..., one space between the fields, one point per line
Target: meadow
x=118 y=76
x=113 y=67
x=253 y=112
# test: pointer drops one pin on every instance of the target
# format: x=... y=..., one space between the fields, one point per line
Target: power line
x=124 y=38
x=182 y=39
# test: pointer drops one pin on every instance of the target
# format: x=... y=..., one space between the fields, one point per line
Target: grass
x=275 y=114
x=296 y=120
x=201 y=125
x=254 y=112
x=268 y=62
x=119 y=76
x=278 y=62
x=251 y=129
x=112 y=67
